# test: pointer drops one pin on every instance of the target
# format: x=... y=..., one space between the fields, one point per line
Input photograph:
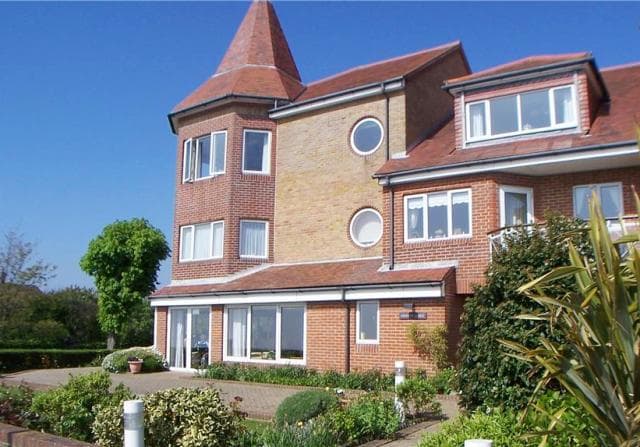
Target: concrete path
x=258 y=400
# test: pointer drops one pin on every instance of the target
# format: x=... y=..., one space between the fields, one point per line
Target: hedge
x=12 y=360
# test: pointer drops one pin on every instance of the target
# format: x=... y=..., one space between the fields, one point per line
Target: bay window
x=201 y=241
x=265 y=333
x=534 y=111
x=438 y=215
x=609 y=195
x=204 y=157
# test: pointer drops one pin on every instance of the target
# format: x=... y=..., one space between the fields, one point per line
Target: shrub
x=430 y=343
x=117 y=361
x=445 y=381
x=182 y=417
x=15 y=404
x=303 y=406
x=371 y=416
x=68 y=410
x=313 y=434
x=488 y=377
x=20 y=359
x=417 y=395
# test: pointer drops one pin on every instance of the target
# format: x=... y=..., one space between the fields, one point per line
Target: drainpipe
x=347 y=333
x=386 y=121
x=392 y=227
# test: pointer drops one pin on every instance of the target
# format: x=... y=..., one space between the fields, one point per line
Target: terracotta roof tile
x=313 y=275
x=376 y=72
x=615 y=121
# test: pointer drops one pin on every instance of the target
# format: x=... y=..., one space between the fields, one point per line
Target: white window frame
x=266 y=241
x=597 y=187
x=267 y=154
x=425 y=216
x=193 y=242
x=552 y=111
x=353 y=220
x=353 y=133
x=187 y=332
x=189 y=173
x=518 y=190
x=359 y=340
x=278 y=359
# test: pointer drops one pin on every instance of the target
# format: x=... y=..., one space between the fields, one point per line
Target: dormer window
x=521 y=113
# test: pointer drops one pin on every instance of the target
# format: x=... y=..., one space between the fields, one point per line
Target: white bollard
x=401 y=373
x=133 y=423
x=478 y=443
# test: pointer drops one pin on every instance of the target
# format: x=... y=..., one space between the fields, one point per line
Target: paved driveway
x=258 y=400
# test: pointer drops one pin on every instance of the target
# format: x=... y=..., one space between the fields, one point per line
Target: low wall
x=12 y=436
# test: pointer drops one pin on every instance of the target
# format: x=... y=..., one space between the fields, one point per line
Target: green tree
x=19 y=265
x=124 y=261
x=488 y=376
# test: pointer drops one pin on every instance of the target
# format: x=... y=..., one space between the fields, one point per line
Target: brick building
x=314 y=223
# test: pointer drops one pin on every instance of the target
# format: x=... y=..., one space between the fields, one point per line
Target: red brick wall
x=230 y=197
x=161 y=329
x=325 y=336
x=217 y=334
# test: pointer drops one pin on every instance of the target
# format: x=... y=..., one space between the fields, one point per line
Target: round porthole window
x=366 y=136
x=366 y=227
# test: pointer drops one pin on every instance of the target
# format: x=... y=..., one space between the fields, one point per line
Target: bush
x=12 y=360
x=430 y=343
x=501 y=427
x=118 y=361
x=445 y=381
x=69 y=410
x=182 y=417
x=368 y=417
x=312 y=434
x=291 y=375
x=417 y=395
x=15 y=404
x=488 y=377
x=303 y=406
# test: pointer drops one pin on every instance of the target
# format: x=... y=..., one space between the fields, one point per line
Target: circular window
x=366 y=227
x=366 y=136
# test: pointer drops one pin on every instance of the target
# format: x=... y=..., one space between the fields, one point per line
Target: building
x=314 y=223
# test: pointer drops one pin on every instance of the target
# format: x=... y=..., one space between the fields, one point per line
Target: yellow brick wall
x=321 y=182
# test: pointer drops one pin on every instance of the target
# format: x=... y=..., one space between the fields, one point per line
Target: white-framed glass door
x=188 y=337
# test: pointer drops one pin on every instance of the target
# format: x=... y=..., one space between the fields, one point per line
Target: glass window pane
x=460 y=213
x=565 y=112
x=219 y=143
x=255 y=151
x=186 y=165
x=237 y=332
x=367 y=136
x=292 y=336
x=366 y=228
x=263 y=332
x=581 y=197
x=415 y=218
x=199 y=338
x=368 y=321
x=218 y=237
x=204 y=157
x=253 y=239
x=477 y=120
x=437 y=220
x=177 y=348
x=202 y=245
x=185 y=243
x=504 y=115
x=610 y=201
x=515 y=208
x=535 y=110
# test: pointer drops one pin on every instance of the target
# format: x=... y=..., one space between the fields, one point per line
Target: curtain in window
x=204 y=157
x=237 y=333
x=368 y=321
x=415 y=211
x=185 y=243
x=477 y=120
x=564 y=106
x=178 y=320
x=460 y=213
x=610 y=201
x=252 y=239
x=437 y=219
x=515 y=208
x=219 y=143
x=582 y=196
x=202 y=247
x=186 y=164
x=218 y=237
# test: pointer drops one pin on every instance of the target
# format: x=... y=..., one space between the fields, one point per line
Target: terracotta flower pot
x=135 y=366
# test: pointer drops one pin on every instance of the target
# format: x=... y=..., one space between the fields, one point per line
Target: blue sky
x=85 y=89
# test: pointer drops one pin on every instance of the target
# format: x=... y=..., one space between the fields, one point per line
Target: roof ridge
x=384 y=61
x=621 y=66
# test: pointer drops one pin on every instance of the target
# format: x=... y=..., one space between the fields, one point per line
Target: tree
x=488 y=376
x=124 y=261
x=17 y=263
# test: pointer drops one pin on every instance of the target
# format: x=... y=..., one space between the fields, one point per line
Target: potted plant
x=135 y=365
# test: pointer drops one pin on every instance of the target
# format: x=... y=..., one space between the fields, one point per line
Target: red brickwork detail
x=217 y=334
x=161 y=330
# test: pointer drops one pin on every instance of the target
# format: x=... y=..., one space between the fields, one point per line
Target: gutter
x=392 y=228
x=347 y=332
x=333 y=99
x=385 y=178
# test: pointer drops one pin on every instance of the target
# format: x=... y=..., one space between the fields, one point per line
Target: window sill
x=465 y=237
x=508 y=138
x=264 y=362
x=367 y=342
x=259 y=173
x=254 y=258
x=191 y=261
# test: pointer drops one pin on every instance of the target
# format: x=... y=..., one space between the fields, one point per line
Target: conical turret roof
x=258 y=62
